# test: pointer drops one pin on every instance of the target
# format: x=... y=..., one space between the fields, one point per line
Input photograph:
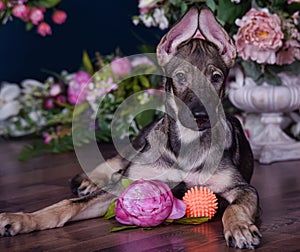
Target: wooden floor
x=37 y=183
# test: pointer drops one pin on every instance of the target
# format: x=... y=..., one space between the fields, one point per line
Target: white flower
x=135 y=20
x=147 y=3
x=8 y=105
x=160 y=18
x=236 y=1
x=30 y=85
x=37 y=118
x=147 y=20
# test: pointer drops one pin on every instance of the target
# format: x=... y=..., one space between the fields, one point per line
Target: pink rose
x=2 y=5
x=44 y=29
x=21 y=11
x=120 y=66
x=76 y=90
x=36 y=16
x=148 y=203
x=59 y=17
x=259 y=36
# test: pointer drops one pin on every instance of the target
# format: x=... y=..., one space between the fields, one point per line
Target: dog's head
x=196 y=55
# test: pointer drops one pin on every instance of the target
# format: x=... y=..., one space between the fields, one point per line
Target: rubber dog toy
x=200 y=202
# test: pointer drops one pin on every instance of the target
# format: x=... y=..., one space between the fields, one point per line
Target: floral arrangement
x=32 y=12
x=150 y=203
x=47 y=109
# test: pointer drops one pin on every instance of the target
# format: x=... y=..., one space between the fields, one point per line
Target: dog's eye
x=216 y=77
x=180 y=76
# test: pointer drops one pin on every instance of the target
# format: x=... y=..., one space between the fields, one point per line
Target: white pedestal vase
x=270 y=143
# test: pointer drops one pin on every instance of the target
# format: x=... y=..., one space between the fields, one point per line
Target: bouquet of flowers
x=32 y=12
x=49 y=109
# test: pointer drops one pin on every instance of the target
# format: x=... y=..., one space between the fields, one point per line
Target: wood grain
x=28 y=186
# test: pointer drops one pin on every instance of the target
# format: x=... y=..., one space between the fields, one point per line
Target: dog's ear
x=216 y=34
x=182 y=31
x=201 y=25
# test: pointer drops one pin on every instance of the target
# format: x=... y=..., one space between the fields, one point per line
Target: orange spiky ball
x=200 y=202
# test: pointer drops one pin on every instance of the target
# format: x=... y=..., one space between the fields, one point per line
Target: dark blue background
x=92 y=25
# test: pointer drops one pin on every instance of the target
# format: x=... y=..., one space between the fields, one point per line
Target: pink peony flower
x=21 y=11
x=76 y=91
x=59 y=17
x=147 y=204
x=2 y=5
x=120 y=66
x=259 y=36
x=288 y=53
x=44 y=29
x=36 y=15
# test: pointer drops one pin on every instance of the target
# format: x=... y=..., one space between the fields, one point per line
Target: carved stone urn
x=270 y=144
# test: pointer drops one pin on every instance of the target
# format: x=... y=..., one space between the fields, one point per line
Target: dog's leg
x=239 y=217
x=84 y=184
x=56 y=215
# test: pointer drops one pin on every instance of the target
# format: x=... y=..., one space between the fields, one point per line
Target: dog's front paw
x=81 y=185
x=15 y=223
x=242 y=235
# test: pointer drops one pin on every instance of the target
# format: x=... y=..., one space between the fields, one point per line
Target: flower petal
x=29 y=84
x=9 y=92
x=9 y=109
x=178 y=209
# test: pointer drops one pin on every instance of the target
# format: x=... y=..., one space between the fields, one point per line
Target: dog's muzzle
x=201 y=118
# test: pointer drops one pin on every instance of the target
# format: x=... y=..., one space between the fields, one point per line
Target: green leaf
x=271 y=77
x=44 y=3
x=144 y=81
x=110 y=211
x=126 y=183
x=80 y=108
x=184 y=8
x=117 y=229
x=87 y=63
x=145 y=118
x=252 y=70
x=228 y=11
x=33 y=150
x=189 y=220
x=29 y=26
x=211 y=4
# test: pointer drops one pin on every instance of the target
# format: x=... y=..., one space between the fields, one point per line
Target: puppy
x=194 y=143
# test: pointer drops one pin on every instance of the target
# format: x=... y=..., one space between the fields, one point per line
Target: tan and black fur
x=183 y=148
